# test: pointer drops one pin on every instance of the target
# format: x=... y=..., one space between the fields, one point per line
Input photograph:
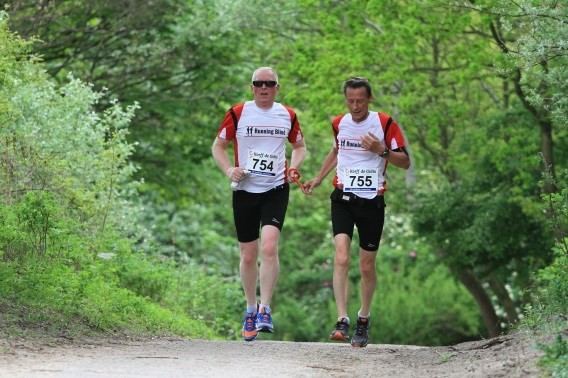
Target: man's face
x=264 y=95
x=358 y=103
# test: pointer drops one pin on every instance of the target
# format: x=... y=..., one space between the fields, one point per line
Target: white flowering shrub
x=64 y=167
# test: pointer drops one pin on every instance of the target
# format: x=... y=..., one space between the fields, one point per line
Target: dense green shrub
x=216 y=301
x=547 y=312
x=68 y=217
x=417 y=301
x=418 y=304
x=555 y=358
x=61 y=300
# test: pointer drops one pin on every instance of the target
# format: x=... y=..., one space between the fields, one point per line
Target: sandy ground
x=505 y=356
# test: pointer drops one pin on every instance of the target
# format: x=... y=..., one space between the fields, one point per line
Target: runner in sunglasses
x=260 y=178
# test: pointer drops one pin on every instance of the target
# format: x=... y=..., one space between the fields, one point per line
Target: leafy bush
x=418 y=304
x=68 y=216
x=417 y=301
x=61 y=300
x=555 y=358
x=548 y=310
x=216 y=302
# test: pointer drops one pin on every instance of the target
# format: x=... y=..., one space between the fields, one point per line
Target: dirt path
x=505 y=356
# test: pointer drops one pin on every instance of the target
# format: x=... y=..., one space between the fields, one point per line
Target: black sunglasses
x=260 y=83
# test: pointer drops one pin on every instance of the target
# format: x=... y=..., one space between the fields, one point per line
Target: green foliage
x=67 y=264
x=62 y=300
x=556 y=357
x=66 y=156
x=215 y=301
x=419 y=306
x=146 y=276
x=549 y=304
x=491 y=233
x=552 y=283
x=196 y=234
x=489 y=220
x=36 y=213
x=534 y=35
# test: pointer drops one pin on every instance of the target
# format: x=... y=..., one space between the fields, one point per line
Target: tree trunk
x=490 y=317
x=504 y=299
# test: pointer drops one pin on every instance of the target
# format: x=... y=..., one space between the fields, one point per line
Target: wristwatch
x=385 y=153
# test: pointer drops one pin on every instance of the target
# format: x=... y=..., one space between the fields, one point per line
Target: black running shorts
x=251 y=211
x=367 y=215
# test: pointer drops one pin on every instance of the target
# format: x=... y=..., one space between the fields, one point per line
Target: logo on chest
x=262 y=131
x=350 y=144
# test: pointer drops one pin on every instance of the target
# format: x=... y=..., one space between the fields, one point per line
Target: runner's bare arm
x=328 y=165
x=298 y=154
x=219 y=152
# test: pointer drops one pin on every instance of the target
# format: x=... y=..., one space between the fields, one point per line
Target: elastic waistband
x=279 y=187
x=351 y=194
x=347 y=197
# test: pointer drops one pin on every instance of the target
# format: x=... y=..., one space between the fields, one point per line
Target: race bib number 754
x=262 y=163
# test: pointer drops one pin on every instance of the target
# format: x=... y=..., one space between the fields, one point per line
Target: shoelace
x=342 y=326
x=265 y=316
x=249 y=322
x=362 y=328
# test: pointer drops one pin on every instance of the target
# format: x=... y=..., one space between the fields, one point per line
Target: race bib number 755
x=361 y=179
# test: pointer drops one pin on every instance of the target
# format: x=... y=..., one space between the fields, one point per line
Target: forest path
x=505 y=356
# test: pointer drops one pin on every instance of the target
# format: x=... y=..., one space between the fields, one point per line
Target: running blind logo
x=260 y=131
x=347 y=144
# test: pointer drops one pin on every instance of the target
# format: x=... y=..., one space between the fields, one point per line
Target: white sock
x=363 y=316
x=251 y=309
x=343 y=317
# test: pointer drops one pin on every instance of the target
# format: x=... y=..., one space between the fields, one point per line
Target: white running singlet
x=260 y=142
x=360 y=171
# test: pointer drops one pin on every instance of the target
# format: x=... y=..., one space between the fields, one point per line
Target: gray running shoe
x=361 y=335
x=341 y=331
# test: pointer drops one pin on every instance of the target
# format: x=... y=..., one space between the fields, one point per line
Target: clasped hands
x=369 y=142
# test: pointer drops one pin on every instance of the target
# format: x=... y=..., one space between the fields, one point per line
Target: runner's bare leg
x=340 y=273
x=368 y=279
x=249 y=269
x=269 y=262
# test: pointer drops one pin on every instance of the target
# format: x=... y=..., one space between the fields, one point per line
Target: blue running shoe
x=264 y=321
x=249 y=331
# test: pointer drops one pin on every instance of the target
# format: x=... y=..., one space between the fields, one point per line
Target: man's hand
x=294 y=175
x=310 y=185
x=371 y=143
x=236 y=174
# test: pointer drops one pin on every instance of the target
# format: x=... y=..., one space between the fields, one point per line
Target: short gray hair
x=265 y=69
